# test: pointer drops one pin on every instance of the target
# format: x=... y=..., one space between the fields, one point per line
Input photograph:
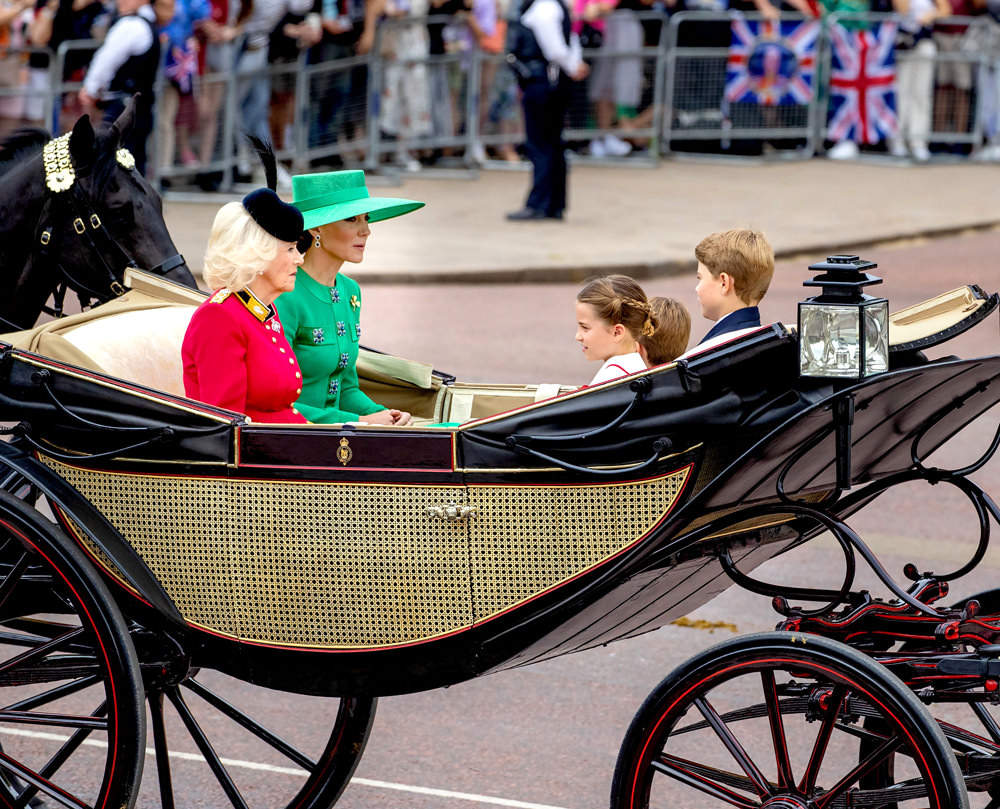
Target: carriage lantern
x=843 y=333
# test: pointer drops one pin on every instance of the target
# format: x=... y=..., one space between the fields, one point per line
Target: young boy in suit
x=734 y=271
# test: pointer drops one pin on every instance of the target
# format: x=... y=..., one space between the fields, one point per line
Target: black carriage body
x=366 y=561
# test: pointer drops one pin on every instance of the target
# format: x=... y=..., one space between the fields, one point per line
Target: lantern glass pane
x=829 y=340
x=876 y=317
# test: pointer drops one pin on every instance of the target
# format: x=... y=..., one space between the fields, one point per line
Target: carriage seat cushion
x=142 y=346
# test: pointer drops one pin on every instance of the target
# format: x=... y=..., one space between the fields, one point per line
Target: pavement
x=643 y=220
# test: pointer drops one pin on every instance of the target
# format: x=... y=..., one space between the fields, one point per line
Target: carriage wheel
x=72 y=729
x=784 y=721
x=258 y=751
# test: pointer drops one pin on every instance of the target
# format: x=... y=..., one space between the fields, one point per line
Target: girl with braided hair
x=612 y=313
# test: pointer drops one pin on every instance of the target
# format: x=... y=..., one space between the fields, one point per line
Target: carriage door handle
x=451 y=512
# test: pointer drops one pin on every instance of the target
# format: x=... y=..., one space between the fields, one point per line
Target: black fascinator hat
x=266 y=208
x=281 y=220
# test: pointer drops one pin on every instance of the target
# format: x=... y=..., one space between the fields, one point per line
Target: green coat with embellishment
x=323 y=324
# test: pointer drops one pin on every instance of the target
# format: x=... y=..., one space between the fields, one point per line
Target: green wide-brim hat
x=334 y=195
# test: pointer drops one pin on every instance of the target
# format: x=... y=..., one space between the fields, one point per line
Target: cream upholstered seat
x=136 y=337
x=139 y=346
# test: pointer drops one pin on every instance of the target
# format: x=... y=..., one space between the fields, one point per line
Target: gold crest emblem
x=344 y=452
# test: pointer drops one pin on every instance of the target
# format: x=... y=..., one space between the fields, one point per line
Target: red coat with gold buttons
x=236 y=357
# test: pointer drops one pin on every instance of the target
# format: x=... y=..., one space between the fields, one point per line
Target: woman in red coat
x=235 y=352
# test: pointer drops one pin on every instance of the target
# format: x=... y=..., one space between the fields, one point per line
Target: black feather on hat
x=266 y=208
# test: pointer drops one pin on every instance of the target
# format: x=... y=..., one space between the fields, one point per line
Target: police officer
x=550 y=59
x=126 y=64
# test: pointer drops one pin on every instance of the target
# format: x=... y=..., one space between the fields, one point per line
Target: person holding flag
x=176 y=109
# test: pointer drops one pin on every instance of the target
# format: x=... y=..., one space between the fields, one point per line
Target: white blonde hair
x=238 y=249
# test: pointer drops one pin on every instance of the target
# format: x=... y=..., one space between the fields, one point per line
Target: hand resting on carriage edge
x=234 y=352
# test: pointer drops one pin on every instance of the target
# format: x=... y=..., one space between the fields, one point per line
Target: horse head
x=89 y=215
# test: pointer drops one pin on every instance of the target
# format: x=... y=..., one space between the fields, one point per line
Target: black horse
x=75 y=213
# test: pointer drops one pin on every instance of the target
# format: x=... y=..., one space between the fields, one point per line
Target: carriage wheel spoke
x=789 y=705
x=53 y=694
x=61 y=756
x=21 y=639
x=784 y=765
x=45 y=630
x=9 y=793
x=40 y=651
x=40 y=783
x=834 y=705
x=879 y=755
x=734 y=747
x=211 y=757
x=162 y=752
x=59 y=720
x=11 y=580
x=249 y=724
x=694 y=776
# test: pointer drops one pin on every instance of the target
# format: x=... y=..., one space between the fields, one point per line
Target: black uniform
x=545 y=95
x=136 y=75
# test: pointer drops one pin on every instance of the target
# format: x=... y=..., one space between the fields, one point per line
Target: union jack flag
x=182 y=65
x=862 y=84
x=772 y=62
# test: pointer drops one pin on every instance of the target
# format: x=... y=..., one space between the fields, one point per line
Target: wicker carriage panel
x=528 y=539
x=318 y=565
x=330 y=565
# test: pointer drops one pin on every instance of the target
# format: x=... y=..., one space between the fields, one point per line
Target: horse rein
x=60 y=178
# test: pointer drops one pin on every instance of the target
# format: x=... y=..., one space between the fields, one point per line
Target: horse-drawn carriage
x=513 y=525
x=157 y=550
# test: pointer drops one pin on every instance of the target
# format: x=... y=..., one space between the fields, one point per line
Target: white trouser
x=914 y=92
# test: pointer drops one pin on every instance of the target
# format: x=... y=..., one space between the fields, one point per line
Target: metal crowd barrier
x=705 y=112
x=955 y=68
x=988 y=81
x=702 y=118
x=380 y=109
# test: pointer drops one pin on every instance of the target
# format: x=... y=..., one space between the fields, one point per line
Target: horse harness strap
x=60 y=177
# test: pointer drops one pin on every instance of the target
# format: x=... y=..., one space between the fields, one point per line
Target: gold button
x=274 y=339
x=298 y=391
x=296 y=412
x=291 y=360
x=281 y=350
x=298 y=375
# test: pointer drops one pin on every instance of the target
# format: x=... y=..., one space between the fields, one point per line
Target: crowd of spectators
x=205 y=43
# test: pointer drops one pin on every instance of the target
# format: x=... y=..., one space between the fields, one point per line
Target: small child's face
x=164 y=10
x=711 y=293
x=598 y=338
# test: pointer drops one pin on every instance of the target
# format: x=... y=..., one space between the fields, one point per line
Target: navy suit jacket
x=745 y=318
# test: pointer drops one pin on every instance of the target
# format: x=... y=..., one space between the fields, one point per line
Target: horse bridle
x=60 y=179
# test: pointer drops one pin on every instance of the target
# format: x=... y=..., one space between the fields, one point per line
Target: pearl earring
x=317 y=240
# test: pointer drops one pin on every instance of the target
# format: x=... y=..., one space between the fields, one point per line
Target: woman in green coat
x=322 y=316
